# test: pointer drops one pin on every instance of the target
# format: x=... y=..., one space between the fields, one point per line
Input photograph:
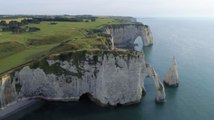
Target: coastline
x=12 y=111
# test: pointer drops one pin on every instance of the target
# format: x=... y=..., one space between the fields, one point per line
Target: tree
x=93 y=19
x=3 y=23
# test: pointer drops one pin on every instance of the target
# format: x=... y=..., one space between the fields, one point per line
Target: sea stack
x=172 y=79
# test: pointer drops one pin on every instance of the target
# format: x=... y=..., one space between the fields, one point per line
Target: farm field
x=18 y=48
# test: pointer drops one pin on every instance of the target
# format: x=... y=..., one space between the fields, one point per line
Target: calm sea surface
x=192 y=43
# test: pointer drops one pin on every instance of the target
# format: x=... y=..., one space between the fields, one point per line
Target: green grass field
x=16 y=49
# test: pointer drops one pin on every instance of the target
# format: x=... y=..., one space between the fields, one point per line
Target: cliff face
x=7 y=90
x=124 y=35
x=108 y=78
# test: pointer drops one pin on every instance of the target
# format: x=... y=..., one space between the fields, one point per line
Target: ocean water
x=191 y=41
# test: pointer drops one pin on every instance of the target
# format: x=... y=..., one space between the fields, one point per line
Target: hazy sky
x=141 y=8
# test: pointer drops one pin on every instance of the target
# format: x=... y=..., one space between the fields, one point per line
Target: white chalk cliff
x=108 y=77
x=124 y=35
x=171 y=78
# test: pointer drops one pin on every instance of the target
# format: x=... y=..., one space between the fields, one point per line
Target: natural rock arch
x=160 y=89
x=138 y=43
x=124 y=35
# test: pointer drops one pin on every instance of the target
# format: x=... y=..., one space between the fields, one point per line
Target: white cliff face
x=7 y=91
x=124 y=35
x=172 y=78
x=110 y=79
x=147 y=36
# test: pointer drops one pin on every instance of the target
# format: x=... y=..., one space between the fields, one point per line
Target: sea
x=191 y=41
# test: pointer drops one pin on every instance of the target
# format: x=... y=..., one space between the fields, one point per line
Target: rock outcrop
x=110 y=78
x=160 y=90
x=171 y=78
x=7 y=91
x=124 y=35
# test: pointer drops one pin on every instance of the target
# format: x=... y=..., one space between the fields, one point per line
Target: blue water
x=191 y=41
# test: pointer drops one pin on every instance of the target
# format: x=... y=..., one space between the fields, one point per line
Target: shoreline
x=11 y=111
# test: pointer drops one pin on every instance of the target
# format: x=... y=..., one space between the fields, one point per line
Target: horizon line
x=159 y=16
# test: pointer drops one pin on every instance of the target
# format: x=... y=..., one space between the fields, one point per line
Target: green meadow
x=17 y=49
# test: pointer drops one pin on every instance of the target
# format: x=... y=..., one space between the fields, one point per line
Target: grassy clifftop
x=16 y=49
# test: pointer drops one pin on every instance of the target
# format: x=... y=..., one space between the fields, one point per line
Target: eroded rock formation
x=7 y=90
x=124 y=35
x=171 y=78
x=160 y=90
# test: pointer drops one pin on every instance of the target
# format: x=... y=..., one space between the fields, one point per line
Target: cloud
x=110 y=7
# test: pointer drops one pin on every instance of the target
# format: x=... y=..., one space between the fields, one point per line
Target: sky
x=135 y=8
